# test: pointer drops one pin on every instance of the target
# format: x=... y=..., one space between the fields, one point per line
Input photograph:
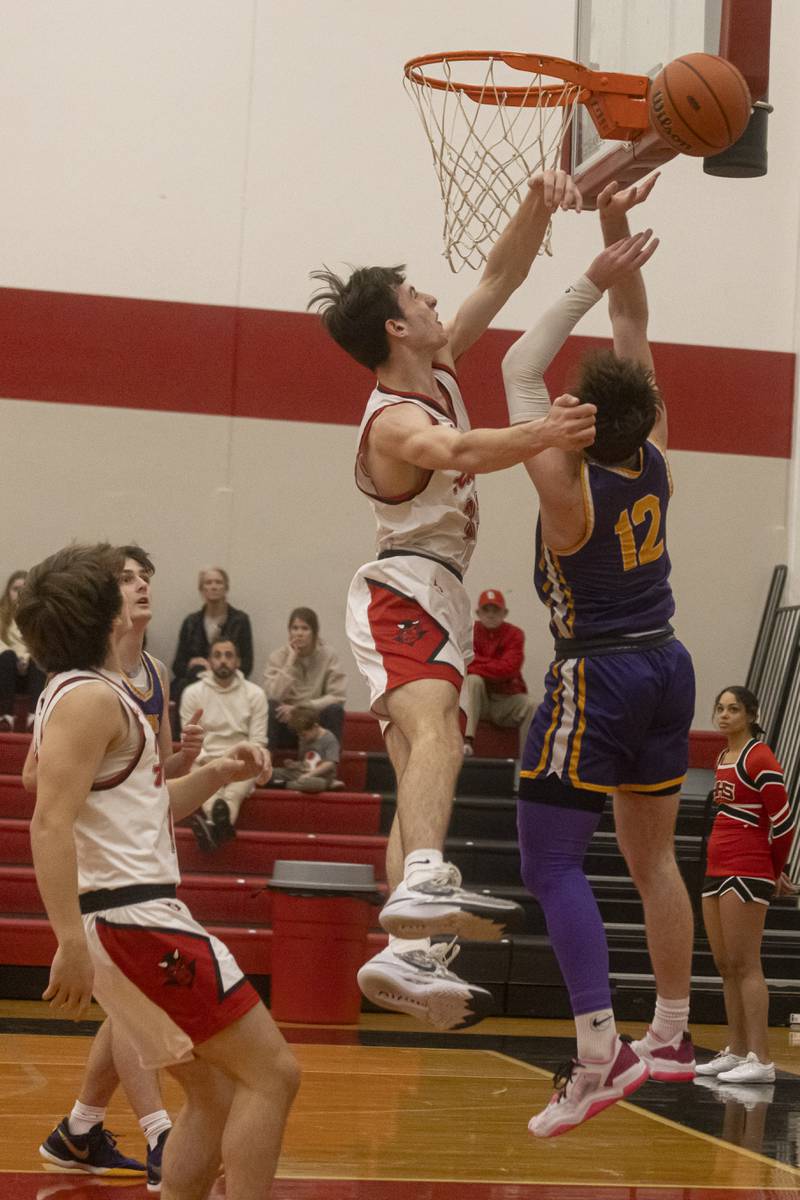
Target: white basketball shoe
x=420 y=983
x=439 y=905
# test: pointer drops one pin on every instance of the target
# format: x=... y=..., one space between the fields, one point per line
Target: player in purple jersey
x=620 y=693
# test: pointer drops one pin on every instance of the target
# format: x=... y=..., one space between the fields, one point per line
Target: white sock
x=670 y=1019
x=420 y=865
x=154 y=1124
x=597 y=1033
x=83 y=1117
x=403 y=945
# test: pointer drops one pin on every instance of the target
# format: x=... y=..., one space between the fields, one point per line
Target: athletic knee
x=742 y=967
x=287 y=1073
x=650 y=870
x=723 y=966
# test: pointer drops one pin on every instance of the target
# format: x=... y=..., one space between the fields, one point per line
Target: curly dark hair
x=627 y=402
x=355 y=311
x=68 y=605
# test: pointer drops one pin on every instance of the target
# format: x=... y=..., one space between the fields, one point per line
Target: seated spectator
x=234 y=710
x=216 y=619
x=18 y=671
x=494 y=688
x=314 y=770
x=304 y=671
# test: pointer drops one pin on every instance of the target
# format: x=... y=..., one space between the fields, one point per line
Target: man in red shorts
x=104 y=854
x=408 y=615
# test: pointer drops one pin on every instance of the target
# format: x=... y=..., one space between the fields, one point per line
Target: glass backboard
x=640 y=36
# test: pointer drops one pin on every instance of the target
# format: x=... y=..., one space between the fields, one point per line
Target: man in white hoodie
x=234 y=709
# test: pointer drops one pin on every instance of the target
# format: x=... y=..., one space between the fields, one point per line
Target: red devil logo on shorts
x=399 y=620
x=179 y=971
x=410 y=632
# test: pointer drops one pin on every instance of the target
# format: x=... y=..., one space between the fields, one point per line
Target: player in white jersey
x=409 y=618
x=106 y=867
x=80 y=1142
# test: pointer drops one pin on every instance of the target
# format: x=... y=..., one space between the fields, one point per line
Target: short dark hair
x=748 y=701
x=627 y=402
x=355 y=311
x=140 y=556
x=68 y=606
x=223 y=641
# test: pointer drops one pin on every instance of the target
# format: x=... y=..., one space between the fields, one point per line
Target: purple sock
x=553 y=843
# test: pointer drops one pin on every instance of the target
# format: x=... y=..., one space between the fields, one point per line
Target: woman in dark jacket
x=215 y=619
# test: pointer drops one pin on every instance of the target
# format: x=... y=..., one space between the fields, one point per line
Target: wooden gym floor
x=389 y=1111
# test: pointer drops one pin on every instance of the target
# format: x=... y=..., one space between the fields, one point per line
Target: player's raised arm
x=403 y=432
x=627 y=296
x=511 y=258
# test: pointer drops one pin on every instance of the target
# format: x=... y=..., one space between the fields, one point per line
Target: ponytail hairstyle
x=749 y=703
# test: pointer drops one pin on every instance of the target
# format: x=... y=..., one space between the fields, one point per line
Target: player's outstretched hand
x=615 y=203
x=246 y=761
x=71 y=978
x=192 y=736
x=622 y=258
x=570 y=425
x=557 y=189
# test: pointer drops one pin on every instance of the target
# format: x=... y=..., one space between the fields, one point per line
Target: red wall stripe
x=199 y=358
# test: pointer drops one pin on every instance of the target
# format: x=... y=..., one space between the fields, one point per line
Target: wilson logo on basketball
x=664 y=122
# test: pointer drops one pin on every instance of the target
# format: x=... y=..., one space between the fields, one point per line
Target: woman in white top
x=18 y=672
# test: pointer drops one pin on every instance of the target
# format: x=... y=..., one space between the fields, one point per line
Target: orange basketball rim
x=617 y=102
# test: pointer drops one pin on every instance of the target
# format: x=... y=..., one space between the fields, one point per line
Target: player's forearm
x=628 y=298
x=482 y=451
x=510 y=259
x=190 y=791
x=56 y=868
x=526 y=361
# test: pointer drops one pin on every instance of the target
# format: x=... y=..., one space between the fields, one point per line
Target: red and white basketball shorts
x=168 y=982
x=408 y=618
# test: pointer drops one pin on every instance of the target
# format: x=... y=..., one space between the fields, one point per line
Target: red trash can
x=320 y=922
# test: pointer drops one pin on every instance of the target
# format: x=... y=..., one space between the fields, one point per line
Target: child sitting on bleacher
x=314 y=770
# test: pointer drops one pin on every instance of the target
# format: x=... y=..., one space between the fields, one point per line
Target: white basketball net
x=483 y=153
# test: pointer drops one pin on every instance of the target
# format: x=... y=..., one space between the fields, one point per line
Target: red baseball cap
x=491 y=596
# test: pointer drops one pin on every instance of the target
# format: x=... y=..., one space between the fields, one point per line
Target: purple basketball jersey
x=616 y=580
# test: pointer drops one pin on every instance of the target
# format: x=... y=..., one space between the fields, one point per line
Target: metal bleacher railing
x=774 y=676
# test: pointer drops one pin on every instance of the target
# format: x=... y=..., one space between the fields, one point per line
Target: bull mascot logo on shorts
x=180 y=972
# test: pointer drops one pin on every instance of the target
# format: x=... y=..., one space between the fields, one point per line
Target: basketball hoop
x=489 y=133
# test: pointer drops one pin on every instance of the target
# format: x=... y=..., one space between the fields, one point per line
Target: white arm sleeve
x=527 y=360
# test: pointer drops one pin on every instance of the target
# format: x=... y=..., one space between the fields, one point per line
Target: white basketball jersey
x=441 y=519
x=123 y=832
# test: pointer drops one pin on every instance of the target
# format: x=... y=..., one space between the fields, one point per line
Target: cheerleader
x=747 y=851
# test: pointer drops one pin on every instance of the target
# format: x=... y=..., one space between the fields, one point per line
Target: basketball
x=700 y=104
